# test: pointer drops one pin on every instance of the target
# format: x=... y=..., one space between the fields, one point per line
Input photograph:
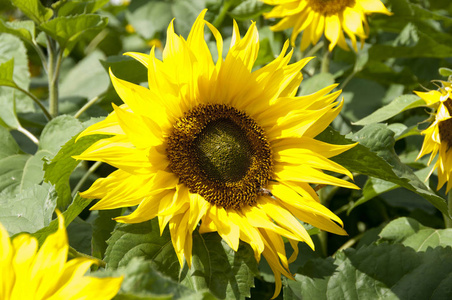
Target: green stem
x=325 y=65
x=351 y=242
x=87 y=105
x=36 y=100
x=28 y=134
x=314 y=49
x=74 y=253
x=85 y=177
x=55 y=58
x=347 y=80
x=41 y=55
x=219 y=19
x=447 y=219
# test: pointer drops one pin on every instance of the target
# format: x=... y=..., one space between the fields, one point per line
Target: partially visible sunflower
x=218 y=145
x=329 y=17
x=438 y=136
x=32 y=274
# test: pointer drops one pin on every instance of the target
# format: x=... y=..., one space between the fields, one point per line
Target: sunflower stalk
x=53 y=71
x=325 y=64
x=447 y=219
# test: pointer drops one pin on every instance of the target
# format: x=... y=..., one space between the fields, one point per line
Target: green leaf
x=126 y=68
x=375 y=187
x=12 y=47
x=6 y=73
x=87 y=79
x=34 y=10
x=142 y=240
x=8 y=145
x=8 y=112
x=376 y=272
x=25 y=30
x=249 y=9
x=413 y=234
x=397 y=106
x=67 y=30
x=58 y=132
x=316 y=83
x=149 y=17
x=80 y=235
x=375 y=157
x=60 y=168
x=103 y=227
x=215 y=266
x=78 y=7
x=143 y=281
x=28 y=210
x=76 y=207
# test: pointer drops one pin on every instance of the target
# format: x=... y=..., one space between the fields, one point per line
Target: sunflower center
x=221 y=154
x=223 y=151
x=445 y=127
x=330 y=7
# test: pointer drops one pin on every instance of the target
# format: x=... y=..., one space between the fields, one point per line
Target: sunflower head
x=29 y=273
x=217 y=147
x=332 y=18
x=438 y=136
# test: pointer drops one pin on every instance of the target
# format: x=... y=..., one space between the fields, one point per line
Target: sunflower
x=26 y=273
x=220 y=147
x=329 y=17
x=438 y=136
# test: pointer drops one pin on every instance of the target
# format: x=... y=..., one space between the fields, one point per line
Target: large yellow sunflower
x=438 y=136
x=329 y=17
x=26 y=273
x=218 y=145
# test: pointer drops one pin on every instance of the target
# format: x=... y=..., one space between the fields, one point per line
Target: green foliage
x=215 y=266
x=407 y=261
x=55 y=59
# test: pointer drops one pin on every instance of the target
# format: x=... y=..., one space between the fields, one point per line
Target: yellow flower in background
x=32 y=274
x=332 y=18
x=218 y=145
x=438 y=136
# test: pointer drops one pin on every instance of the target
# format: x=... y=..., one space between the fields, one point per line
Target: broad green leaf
x=80 y=235
x=126 y=68
x=413 y=234
x=149 y=17
x=60 y=168
x=12 y=47
x=34 y=10
x=87 y=79
x=8 y=115
x=67 y=30
x=58 y=131
x=76 y=207
x=28 y=210
x=215 y=266
x=78 y=7
x=316 y=83
x=6 y=73
x=25 y=30
x=103 y=227
x=375 y=157
x=375 y=187
x=143 y=281
x=397 y=106
x=8 y=145
x=249 y=9
x=375 y=272
x=142 y=240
